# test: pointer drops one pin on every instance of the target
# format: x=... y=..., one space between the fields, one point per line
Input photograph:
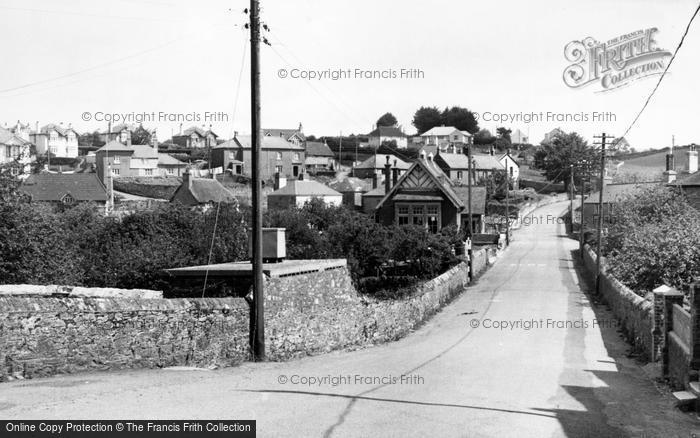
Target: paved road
x=467 y=378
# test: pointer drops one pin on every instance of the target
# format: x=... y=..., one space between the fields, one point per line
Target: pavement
x=522 y=352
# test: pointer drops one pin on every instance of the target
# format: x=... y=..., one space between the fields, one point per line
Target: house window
x=231 y=155
x=53 y=149
x=459 y=174
x=279 y=156
x=402 y=213
x=239 y=169
x=14 y=171
x=8 y=152
x=432 y=214
x=171 y=171
x=117 y=160
x=149 y=172
x=427 y=215
x=296 y=156
x=115 y=171
x=278 y=169
x=295 y=170
x=417 y=215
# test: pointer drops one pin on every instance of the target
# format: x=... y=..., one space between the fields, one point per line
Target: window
x=402 y=212
x=296 y=156
x=115 y=172
x=8 y=152
x=171 y=171
x=427 y=215
x=278 y=169
x=295 y=170
x=459 y=174
x=149 y=172
x=239 y=169
x=68 y=199
x=117 y=160
x=432 y=214
x=417 y=215
x=231 y=155
x=53 y=149
x=279 y=156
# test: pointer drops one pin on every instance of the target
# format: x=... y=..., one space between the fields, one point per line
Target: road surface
x=552 y=372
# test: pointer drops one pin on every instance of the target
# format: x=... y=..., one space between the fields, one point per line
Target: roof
x=114 y=146
x=143 y=151
x=123 y=126
x=379 y=191
x=486 y=161
x=379 y=160
x=318 y=149
x=617 y=192
x=206 y=190
x=690 y=181
x=305 y=188
x=350 y=184
x=195 y=129
x=478 y=198
x=54 y=186
x=455 y=161
x=244 y=141
x=8 y=138
x=283 y=133
x=480 y=161
x=386 y=131
x=316 y=161
x=440 y=130
x=168 y=160
x=52 y=126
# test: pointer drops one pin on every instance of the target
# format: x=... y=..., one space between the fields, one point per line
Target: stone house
x=121 y=132
x=319 y=157
x=277 y=156
x=195 y=138
x=135 y=160
x=445 y=136
x=294 y=136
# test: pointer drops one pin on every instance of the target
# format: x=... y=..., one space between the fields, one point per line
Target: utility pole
x=340 y=157
x=258 y=314
x=599 y=248
x=470 y=231
x=571 y=195
x=507 y=209
x=584 y=168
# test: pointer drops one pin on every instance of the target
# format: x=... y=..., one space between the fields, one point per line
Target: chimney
x=387 y=175
x=187 y=178
x=491 y=150
x=235 y=134
x=36 y=127
x=280 y=181
x=394 y=174
x=692 y=159
x=180 y=133
x=154 y=139
x=109 y=131
x=430 y=157
x=670 y=161
x=374 y=180
x=301 y=128
x=422 y=154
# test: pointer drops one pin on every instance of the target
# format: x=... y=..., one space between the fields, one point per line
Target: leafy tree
x=555 y=158
x=504 y=133
x=427 y=118
x=387 y=119
x=460 y=118
x=483 y=136
x=141 y=136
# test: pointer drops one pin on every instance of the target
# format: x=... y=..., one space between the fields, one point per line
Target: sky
x=78 y=62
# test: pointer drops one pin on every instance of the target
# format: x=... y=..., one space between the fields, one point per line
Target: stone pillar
x=695 y=326
x=664 y=299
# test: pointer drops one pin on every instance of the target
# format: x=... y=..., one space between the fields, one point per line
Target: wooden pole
x=258 y=336
x=599 y=246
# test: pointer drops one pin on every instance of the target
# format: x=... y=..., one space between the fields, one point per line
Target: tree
x=141 y=136
x=426 y=118
x=460 y=118
x=484 y=136
x=504 y=133
x=387 y=119
x=555 y=157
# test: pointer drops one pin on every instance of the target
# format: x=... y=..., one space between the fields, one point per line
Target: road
x=566 y=377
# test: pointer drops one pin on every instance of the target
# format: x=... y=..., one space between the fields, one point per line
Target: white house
x=59 y=141
x=512 y=168
x=445 y=135
x=388 y=134
x=299 y=192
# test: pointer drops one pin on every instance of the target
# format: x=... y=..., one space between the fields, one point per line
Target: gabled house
x=456 y=166
x=201 y=192
x=374 y=165
x=195 y=138
x=511 y=167
x=21 y=130
x=294 y=136
x=170 y=166
x=64 y=188
x=319 y=157
x=277 y=155
x=135 y=160
x=121 y=132
x=612 y=195
x=352 y=190
x=15 y=152
x=517 y=136
x=425 y=196
x=384 y=134
x=297 y=192
x=445 y=136
x=59 y=141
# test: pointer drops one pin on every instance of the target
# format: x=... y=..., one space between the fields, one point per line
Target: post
x=258 y=336
x=599 y=246
x=470 y=229
x=340 y=154
x=571 y=194
x=580 y=234
x=507 y=208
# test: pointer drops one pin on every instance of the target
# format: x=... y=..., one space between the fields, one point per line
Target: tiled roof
x=142 y=151
x=386 y=131
x=478 y=198
x=350 y=184
x=318 y=149
x=455 y=161
x=486 y=162
x=267 y=143
x=54 y=186
x=480 y=161
x=8 y=138
x=617 y=192
x=168 y=160
x=316 y=161
x=304 y=188
x=123 y=126
x=206 y=190
x=283 y=133
x=200 y=131
x=114 y=146
x=379 y=160
x=61 y=130
x=440 y=131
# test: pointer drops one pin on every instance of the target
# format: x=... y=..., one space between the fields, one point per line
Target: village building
x=388 y=134
x=65 y=188
x=297 y=192
x=319 y=157
x=294 y=136
x=374 y=165
x=353 y=189
x=57 y=140
x=195 y=138
x=121 y=132
x=201 y=192
x=134 y=160
x=425 y=196
x=277 y=155
x=15 y=152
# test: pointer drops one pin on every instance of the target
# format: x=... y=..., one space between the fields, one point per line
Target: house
x=612 y=194
x=21 y=130
x=319 y=157
x=690 y=185
x=352 y=190
x=374 y=165
x=170 y=166
x=201 y=192
x=456 y=166
x=15 y=152
x=276 y=155
x=519 y=137
x=511 y=167
x=425 y=196
x=294 y=136
x=383 y=134
x=445 y=136
x=195 y=138
x=297 y=192
x=551 y=135
x=59 y=141
x=121 y=132
x=130 y=161
x=64 y=188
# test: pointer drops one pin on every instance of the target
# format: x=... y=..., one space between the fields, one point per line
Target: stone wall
x=635 y=313
x=305 y=314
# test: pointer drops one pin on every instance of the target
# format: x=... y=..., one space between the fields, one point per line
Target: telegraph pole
x=340 y=156
x=507 y=208
x=258 y=315
x=584 y=168
x=470 y=228
x=599 y=250
x=571 y=195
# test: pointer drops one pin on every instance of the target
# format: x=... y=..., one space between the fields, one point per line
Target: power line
x=675 y=52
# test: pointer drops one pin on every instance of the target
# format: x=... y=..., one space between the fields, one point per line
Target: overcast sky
x=63 y=58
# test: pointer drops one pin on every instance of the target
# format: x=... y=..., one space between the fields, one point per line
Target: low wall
x=679 y=359
x=305 y=314
x=635 y=313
